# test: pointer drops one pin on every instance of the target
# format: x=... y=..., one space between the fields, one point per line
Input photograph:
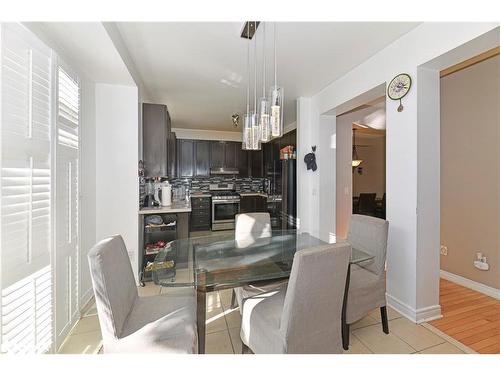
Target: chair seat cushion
x=254 y=289
x=260 y=322
x=162 y=323
x=366 y=292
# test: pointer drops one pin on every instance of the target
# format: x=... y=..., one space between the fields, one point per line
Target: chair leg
x=245 y=349
x=385 y=322
x=233 y=299
x=345 y=336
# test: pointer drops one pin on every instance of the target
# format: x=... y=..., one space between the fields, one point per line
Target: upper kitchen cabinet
x=230 y=155
x=241 y=157
x=217 y=154
x=202 y=158
x=172 y=155
x=156 y=128
x=185 y=158
x=256 y=163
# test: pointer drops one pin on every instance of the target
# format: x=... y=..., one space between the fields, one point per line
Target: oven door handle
x=225 y=201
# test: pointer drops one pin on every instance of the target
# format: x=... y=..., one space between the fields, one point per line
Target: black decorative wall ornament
x=310 y=160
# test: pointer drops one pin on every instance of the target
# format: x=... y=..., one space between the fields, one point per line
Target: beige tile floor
x=223 y=332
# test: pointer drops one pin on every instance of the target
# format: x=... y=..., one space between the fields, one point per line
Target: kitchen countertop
x=201 y=195
x=176 y=207
x=253 y=194
x=270 y=198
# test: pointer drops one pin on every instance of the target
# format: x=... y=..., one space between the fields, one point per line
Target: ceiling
x=94 y=53
x=368 y=119
x=199 y=69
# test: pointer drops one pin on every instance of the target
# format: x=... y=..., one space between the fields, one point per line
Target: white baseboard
x=417 y=316
x=429 y=313
x=471 y=284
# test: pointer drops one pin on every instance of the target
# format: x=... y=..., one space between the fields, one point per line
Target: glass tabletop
x=219 y=261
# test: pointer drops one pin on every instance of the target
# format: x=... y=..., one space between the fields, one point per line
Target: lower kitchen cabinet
x=201 y=210
x=253 y=203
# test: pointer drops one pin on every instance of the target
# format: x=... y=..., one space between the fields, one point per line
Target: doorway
x=470 y=202
x=361 y=162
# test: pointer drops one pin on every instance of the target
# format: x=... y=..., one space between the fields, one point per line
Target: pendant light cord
x=275 y=65
x=264 y=60
x=248 y=69
x=255 y=74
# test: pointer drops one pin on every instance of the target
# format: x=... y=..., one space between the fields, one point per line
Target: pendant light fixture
x=276 y=97
x=247 y=126
x=263 y=112
x=256 y=130
x=356 y=161
x=265 y=121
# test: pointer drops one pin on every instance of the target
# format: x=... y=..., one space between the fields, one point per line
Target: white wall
x=405 y=280
x=343 y=171
x=307 y=181
x=87 y=186
x=470 y=171
x=326 y=151
x=117 y=142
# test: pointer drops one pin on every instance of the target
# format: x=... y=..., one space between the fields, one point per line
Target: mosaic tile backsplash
x=201 y=184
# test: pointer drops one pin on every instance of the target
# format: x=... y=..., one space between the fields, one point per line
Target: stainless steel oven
x=225 y=206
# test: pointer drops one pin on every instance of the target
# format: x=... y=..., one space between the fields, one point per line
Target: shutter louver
x=68 y=110
x=26 y=121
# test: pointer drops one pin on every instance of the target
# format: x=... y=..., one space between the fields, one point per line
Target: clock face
x=399 y=86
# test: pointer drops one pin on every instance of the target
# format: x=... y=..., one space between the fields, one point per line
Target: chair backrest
x=369 y=234
x=311 y=319
x=114 y=284
x=367 y=203
x=255 y=224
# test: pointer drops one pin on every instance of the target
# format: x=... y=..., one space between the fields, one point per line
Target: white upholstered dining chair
x=133 y=324
x=367 y=281
x=305 y=316
x=248 y=227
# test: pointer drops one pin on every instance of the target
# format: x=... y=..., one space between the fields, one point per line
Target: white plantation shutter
x=25 y=181
x=67 y=174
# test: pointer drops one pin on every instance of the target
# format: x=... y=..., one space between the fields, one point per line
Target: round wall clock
x=398 y=88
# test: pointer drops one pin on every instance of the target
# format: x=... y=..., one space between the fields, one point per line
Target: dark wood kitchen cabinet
x=172 y=155
x=156 y=134
x=230 y=155
x=217 y=154
x=241 y=157
x=253 y=203
x=200 y=213
x=202 y=158
x=256 y=164
x=185 y=158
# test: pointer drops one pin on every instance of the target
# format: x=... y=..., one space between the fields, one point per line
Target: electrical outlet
x=444 y=250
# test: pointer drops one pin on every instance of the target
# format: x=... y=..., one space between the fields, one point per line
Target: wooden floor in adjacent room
x=470 y=317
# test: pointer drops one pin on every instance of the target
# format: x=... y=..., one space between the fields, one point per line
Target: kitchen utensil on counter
x=149 y=198
x=166 y=194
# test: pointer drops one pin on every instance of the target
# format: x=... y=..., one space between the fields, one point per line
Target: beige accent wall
x=372 y=179
x=470 y=170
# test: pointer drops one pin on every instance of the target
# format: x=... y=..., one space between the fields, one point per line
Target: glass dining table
x=219 y=262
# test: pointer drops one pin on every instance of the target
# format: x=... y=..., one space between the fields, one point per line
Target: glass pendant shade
x=251 y=132
x=276 y=111
x=247 y=132
x=263 y=118
x=255 y=132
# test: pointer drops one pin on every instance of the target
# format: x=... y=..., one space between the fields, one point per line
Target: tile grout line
x=227 y=325
x=449 y=339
